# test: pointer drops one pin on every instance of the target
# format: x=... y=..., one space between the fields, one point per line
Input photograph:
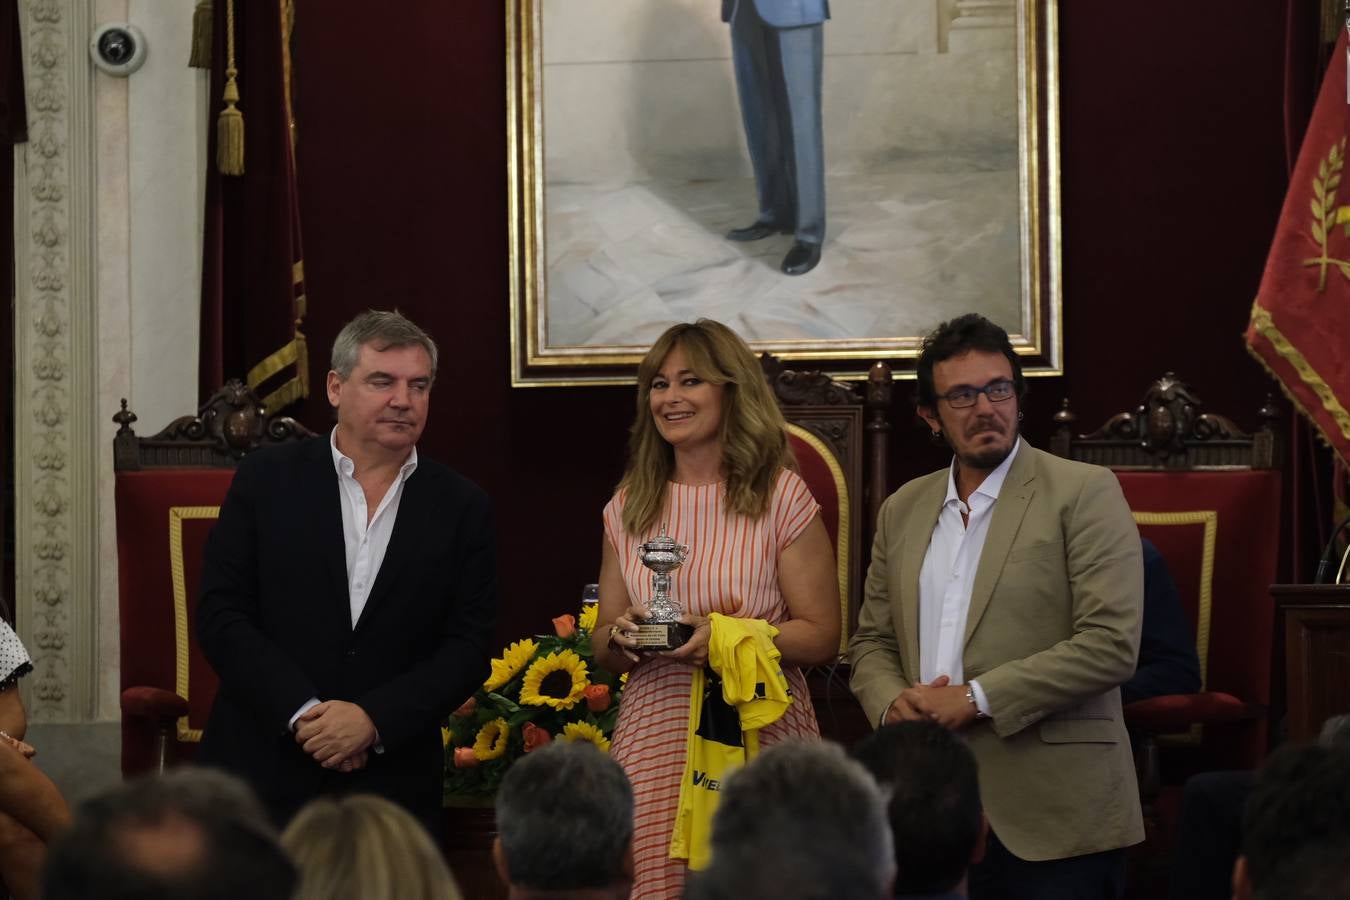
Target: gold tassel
x=230 y=125
x=201 y=36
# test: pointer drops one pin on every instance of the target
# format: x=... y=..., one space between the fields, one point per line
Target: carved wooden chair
x=839 y=435
x=169 y=488
x=1208 y=495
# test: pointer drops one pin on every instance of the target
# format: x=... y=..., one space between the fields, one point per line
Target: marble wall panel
x=165 y=216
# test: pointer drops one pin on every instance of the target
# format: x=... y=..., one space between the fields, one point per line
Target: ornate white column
x=55 y=438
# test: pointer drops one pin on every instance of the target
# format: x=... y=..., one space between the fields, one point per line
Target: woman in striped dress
x=709 y=462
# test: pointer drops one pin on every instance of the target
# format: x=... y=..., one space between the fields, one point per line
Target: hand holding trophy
x=663 y=629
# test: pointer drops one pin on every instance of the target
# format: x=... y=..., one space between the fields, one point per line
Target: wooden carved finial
x=879 y=383
x=1064 y=417
x=1269 y=413
x=124 y=417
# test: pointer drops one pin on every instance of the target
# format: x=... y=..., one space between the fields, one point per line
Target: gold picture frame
x=553 y=338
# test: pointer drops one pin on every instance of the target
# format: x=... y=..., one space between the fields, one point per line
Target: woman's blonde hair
x=753 y=432
x=364 y=847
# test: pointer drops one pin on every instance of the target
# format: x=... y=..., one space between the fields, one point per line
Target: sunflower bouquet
x=541 y=689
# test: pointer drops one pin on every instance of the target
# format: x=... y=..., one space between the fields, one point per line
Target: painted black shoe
x=756 y=232
x=802 y=258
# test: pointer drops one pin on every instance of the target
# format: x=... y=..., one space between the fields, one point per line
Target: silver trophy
x=663 y=630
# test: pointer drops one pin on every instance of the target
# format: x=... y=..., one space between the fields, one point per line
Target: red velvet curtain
x=13 y=130
x=253 y=299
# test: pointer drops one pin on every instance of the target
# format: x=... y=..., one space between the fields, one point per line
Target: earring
x=937 y=432
x=1019 y=415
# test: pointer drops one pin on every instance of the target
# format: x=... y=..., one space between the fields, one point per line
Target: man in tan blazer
x=1004 y=601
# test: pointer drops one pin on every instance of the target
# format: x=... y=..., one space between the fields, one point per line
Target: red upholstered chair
x=169 y=488
x=832 y=428
x=1208 y=495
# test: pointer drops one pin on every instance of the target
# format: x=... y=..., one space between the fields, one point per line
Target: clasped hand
x=21 y=746
x=337 y=734
x=694 y=652
x=938 y=701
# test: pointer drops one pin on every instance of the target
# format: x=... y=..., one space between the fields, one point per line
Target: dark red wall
x=1173 y=165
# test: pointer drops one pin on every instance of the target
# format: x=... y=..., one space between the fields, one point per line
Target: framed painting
x=830 y=182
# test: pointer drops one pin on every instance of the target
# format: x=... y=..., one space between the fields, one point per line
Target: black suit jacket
x=274 y=621
x=1168 y=663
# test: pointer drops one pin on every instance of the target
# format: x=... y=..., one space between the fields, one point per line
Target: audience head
x=724 y=386
x=565 y=821
x=937 y=822
x=1296 y=828
x=191 y=834
x=364 y=847
x=800 y=821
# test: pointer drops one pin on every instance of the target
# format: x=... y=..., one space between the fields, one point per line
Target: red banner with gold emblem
x=1300 y=322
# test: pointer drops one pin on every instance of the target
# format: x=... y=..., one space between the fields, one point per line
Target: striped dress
x=732 y=569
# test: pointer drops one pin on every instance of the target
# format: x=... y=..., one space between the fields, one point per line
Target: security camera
x=117 y=48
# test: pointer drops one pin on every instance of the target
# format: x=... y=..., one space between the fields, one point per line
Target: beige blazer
x=1053 y=630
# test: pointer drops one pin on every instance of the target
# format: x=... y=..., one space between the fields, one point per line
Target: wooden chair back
x=169 y=488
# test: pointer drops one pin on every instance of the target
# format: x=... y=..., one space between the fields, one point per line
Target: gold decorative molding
x=1209 y=519
x=182 y=643
x=842 y=547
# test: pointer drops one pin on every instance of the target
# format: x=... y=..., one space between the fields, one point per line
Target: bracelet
x=970 y=695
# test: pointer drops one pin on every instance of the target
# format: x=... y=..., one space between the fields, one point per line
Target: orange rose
x=464 y=758
x=466 y=708
x=597 y=697
x=535 y=737
x=565 y=626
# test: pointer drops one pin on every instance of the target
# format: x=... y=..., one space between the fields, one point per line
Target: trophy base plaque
x=662 y=635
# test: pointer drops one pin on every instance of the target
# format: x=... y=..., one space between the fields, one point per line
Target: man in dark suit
x=348 y=592
x=1168 y=663
x=777 y=48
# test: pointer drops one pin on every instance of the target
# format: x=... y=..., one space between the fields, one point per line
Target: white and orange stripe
x=732 y=569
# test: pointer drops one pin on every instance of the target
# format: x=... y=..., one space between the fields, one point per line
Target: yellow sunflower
x=557 y=680
x=588 y=613
x=513 y=659
x=585 y=731
x=491 y=740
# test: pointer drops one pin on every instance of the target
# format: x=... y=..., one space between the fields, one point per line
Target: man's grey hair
x=800 y=821
x=385 y=330
x=1335 y=731
x=128 y=842
x=565 y=818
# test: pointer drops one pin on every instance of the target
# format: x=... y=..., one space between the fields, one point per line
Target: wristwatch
x=970 y=696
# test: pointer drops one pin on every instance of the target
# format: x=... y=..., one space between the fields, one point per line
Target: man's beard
x=987 y=460
x=991 y=458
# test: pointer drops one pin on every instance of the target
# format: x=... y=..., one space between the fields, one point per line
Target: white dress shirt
x=948 y=574
x=365 y=538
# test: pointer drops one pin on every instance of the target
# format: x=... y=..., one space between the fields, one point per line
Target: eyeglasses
x=996 y=391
